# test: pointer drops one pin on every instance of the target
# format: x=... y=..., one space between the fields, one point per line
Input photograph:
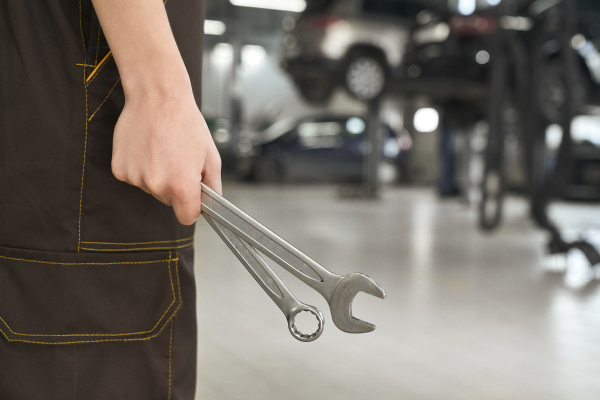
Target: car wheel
x=365 y=77
x=268 y=170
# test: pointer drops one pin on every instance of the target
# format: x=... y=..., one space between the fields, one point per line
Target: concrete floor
x=468 y=315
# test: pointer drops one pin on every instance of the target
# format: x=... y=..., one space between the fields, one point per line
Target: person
x=102 y=151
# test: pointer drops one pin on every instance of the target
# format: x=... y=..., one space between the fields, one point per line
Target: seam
x=96 y=341
x=86 y=129
x=81 y=31
x=106 y=98
x=142 y=248
x=107 y=334
x=110 y=340
x=86 y=65
x=99 y=67
x=83 y=167
x=98 y=44
x=170 y=358
x=87 y=263
x=128 y=244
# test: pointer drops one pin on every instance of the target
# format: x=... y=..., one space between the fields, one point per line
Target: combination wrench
x=244 y=236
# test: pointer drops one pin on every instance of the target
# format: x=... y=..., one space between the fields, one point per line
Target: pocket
x=68 y=298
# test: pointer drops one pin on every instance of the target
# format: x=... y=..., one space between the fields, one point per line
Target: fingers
x=187 y=198
x=211 y=175
x=186 y=201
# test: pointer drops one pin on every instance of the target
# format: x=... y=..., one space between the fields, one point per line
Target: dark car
x=449 y=56
x=326 y=148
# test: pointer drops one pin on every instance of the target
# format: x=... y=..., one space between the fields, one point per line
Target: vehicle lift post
x=371 y=182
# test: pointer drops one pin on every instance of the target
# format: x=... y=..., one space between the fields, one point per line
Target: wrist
x=163 y=78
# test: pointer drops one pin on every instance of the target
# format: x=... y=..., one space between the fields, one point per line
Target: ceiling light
x=222 y=54
x=426 y=120
x=281 y=5
x=214 y=27
x=466 y=7
x=252 y=54
x=482 y=57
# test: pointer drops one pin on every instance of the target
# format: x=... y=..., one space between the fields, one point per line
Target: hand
x=162 y=145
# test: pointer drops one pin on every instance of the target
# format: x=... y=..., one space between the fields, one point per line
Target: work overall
x=97 y=294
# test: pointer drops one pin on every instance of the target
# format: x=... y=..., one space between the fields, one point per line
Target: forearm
x=143 y=46
x=161 y=143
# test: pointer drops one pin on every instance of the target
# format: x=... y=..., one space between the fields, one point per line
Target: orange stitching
x=98 y=341
x=110 y=340
x=92 y=76
x=86 y=130
x=106 y=98
x=128 y=244
x=83 y=168
x=86 y=65
x=108 y=334
x=170 y=358
x=142 y=248
x=110 y=263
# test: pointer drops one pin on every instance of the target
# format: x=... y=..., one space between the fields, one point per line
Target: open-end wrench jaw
x=341 y=302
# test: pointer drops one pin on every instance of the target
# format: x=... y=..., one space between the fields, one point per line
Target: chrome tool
x=244 y=236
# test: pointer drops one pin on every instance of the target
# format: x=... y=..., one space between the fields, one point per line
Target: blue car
x=330 y=149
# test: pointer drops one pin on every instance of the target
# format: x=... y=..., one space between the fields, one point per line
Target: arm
x=161 y=142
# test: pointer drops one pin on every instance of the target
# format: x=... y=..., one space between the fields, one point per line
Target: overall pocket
x=69 y=298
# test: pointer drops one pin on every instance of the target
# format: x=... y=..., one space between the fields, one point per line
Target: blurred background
x=449 y=149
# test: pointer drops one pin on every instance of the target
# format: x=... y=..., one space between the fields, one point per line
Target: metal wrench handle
x=283 y=253
x=269 y=281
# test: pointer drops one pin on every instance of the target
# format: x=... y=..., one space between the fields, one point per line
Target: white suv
x=355 y=43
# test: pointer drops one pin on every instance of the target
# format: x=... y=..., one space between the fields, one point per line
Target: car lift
x=543 y=186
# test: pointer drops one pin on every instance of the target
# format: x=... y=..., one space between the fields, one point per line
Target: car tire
x=365 y=75
x=268 y=170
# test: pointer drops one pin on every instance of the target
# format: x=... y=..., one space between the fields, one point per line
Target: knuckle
x=153 y=185
x=179 y=190
x=118 y=171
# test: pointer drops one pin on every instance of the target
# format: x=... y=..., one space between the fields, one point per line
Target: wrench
x=338 y=290
x=270 y=282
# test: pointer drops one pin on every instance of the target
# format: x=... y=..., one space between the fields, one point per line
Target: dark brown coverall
x=97 y=295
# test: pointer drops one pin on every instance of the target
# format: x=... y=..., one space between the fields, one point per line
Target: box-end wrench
x=269 y=281
x=338 y=290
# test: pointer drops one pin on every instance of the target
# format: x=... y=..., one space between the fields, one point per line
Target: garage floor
x=468 y=315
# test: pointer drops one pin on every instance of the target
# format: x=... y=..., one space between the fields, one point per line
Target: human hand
x=162 y=145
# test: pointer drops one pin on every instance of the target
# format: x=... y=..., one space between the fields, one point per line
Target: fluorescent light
x=493 y=2
x=282 y=5
x=214 y=27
